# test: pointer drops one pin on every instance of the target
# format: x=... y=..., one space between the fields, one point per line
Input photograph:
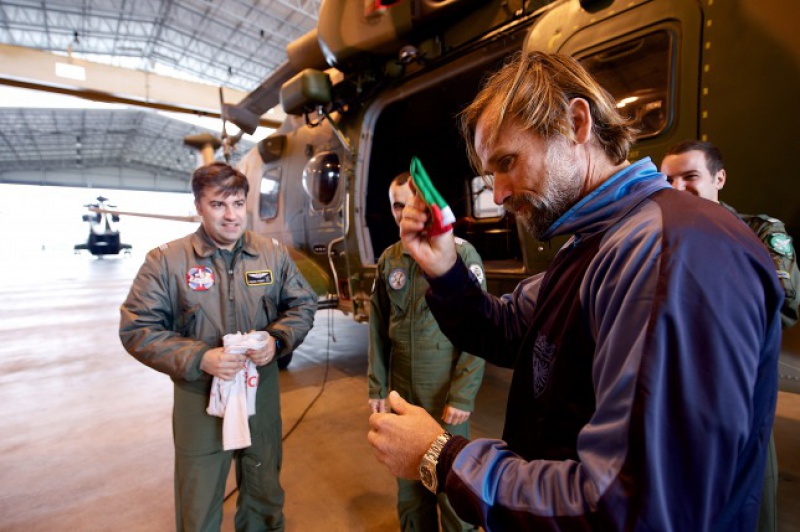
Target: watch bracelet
x=431 y=456
x=438 y=444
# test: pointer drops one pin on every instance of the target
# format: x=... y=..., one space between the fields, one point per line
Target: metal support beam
x=23 y=67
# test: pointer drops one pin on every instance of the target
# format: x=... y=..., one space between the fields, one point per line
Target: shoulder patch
x=164 y=246
x=477 y=271
x=459 y=241
x=781 y=243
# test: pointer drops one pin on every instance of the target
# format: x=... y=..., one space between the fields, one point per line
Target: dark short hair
x=401 y=179
x=714 y=161
x=219 y=175
x=534 y=89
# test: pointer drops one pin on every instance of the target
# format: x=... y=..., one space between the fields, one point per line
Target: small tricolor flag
x=442 y=218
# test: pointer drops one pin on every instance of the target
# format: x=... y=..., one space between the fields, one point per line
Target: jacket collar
x=609 y=202
x=205 y=247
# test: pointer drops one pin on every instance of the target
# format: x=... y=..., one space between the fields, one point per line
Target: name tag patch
x=258 y=278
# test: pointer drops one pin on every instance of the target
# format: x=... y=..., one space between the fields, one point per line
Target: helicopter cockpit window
x=637 y=74
x=270 y=186
x=321 y=178
x=483 y=205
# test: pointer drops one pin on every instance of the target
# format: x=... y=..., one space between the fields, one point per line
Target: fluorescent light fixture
x=215 y=125
x=625 y=101
x=63 y=70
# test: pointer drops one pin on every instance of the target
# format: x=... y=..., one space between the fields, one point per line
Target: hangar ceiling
x=108 y=148
x=230 y=43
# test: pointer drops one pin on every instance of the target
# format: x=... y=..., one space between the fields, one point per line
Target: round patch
x=397 y=279
x=781 y=243
x=200 y=278
x=477 y=271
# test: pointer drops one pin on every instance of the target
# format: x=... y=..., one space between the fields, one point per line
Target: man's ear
x=581 y=119
x=719 y=179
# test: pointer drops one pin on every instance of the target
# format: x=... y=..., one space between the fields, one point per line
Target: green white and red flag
x=442 y=218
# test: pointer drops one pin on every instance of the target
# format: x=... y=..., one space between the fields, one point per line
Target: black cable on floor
x=324 y=379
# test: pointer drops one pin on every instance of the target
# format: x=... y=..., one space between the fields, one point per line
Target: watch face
x=426 y=477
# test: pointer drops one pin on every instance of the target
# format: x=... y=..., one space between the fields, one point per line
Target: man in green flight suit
x=696 y=167
x=187 y=295
x=408 y=353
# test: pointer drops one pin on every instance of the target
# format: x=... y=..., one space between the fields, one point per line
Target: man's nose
x=501 y=190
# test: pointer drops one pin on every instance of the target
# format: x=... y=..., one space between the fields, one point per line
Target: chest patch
x=543 y=356
x=258 y=278
x=200 y=278
x=397 y=279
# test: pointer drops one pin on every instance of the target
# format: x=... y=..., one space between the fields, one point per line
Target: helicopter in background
x=104 y=238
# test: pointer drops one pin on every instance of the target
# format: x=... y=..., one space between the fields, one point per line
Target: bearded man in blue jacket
x=645 y=357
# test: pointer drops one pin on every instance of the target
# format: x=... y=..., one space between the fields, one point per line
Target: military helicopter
x=379 y=82
x=104 y=236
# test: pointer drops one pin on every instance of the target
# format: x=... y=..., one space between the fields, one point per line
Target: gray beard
x=562 y=190
x=537 y=214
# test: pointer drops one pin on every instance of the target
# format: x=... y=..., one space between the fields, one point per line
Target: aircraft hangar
x=97 y=98
x=87 y=439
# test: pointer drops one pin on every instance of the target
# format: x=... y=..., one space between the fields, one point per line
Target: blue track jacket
x=645 y=374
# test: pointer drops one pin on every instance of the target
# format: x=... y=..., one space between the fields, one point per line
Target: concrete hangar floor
x=86 y=430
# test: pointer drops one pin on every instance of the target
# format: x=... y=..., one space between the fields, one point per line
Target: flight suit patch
x=200 y=278
x=781 y=243
x=477 y=271
x=258 y=277
x=397 y=279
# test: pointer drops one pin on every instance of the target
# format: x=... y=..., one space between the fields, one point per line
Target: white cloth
x=235 y=400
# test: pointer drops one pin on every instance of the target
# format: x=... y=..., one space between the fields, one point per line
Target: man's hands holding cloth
x=225 y=362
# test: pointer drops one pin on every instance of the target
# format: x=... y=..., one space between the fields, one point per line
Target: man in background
x=697 y=167
x=408 y=353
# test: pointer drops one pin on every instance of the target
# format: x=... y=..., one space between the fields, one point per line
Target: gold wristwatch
x=427 y=468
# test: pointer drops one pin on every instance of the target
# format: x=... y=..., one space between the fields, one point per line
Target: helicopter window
x=483 y=205
x=637 y=74
x=321 y=178
x=270 y=186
